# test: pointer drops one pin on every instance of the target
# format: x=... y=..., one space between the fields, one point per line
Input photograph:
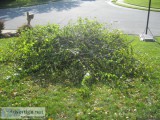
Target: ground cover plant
x=144 y=3
x=130 y=98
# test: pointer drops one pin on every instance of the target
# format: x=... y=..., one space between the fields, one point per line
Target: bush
x=1 y=26
x=77 y=50
x=23 y=28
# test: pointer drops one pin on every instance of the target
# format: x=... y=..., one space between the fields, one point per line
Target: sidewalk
x=122 y=3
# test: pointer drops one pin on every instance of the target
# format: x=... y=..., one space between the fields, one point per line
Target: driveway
x=130 y=21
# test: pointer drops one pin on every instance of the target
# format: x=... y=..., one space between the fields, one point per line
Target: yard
x=132 y=100
x=144 y=3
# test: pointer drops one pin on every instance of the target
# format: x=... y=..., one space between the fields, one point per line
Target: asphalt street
x=131 y=21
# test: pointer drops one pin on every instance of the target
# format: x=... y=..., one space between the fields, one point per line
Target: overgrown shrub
x=23 y=28
x=1 y=26
x=69 y=53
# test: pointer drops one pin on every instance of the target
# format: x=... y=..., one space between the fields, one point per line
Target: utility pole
x=145 y=36
x=149 y=8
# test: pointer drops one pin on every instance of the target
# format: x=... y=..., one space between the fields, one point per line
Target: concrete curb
x=123 y=4
x=9 y=31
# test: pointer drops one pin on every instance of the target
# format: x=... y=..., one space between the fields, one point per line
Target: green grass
x=149 y=53
x=136 y=7
x=22 y=3
x=144 y=3
x=100 y=102
x=5 y=67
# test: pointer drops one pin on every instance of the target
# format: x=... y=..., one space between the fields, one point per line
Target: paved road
x=131 y=21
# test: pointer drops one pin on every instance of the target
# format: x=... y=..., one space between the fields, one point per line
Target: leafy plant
x=23 y=28
x=85 y=90
x=114 y=0
x=1 y=26
x=52 y=54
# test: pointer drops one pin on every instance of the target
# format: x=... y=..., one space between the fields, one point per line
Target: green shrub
x=114 y=0
x=1 y=26
x=69 y=53
x=23 y=28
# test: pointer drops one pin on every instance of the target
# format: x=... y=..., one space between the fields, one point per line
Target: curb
x=9 y=31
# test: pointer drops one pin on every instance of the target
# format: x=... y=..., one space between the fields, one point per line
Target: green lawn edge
x=135 y=7
x=144 y=3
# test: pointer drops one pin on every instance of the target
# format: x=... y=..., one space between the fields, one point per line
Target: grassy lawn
x=22 y=3
x=144 y=3
x=101 y=102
